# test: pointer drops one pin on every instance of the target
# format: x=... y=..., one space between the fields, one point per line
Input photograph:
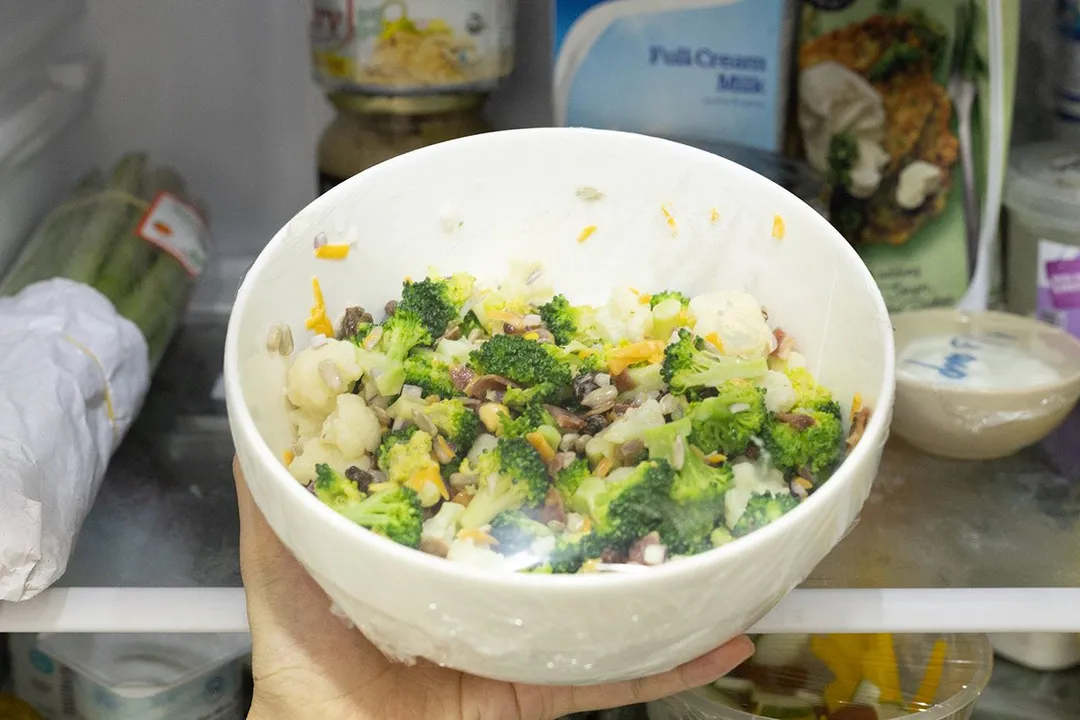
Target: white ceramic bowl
x=474 y=205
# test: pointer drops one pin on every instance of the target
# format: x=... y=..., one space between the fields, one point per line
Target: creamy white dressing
x=991 y=363
x=750 y=479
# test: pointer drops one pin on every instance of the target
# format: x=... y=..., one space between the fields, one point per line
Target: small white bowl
x=669 y=216
x=944 y=417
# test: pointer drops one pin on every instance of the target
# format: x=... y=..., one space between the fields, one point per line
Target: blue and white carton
x=704 y=70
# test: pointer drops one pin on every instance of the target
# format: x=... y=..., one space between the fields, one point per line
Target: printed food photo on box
x=892 y=107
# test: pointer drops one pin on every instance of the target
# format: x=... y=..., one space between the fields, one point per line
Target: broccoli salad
x=506 y=427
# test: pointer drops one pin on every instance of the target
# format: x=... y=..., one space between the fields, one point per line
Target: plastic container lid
x=848 y=677
x=1044 y=180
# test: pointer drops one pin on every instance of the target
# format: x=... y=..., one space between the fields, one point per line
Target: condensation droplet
x=634 y=618
x=432 y=606
x=551 y=665
x=519 y=622
x=588 y=666
x=573 y=662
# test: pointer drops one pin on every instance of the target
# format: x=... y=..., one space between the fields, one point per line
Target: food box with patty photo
x=892 y=107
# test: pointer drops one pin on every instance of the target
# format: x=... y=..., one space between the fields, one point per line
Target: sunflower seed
x=329 y=373
x=600 y=396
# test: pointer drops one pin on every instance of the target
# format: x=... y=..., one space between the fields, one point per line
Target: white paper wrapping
x=73 y=374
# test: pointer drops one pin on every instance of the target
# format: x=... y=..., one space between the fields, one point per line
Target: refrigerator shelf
x=940 y=546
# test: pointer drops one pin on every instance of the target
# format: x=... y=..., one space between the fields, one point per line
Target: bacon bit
x=479 y=537
x=538 y=441
x=603 y=467
x=649 y=351
x=553 y=510
x=531 y=335
x=336 y=251
x=434 y=546
x=636 y=554
x=462 y=376
x=715 y=458
x=669 y=218
x=778 y=228
x=429 y=474
x=714 y=340
x=784 y=344
x=714 y=215
x=858 y=427
x=798 y=421
x=479 y=387
x=317 y=319
x=612 y=556
x=288 y=456
x=462 y=498
x=623 y=382
x=565 y=419
x=586 y=233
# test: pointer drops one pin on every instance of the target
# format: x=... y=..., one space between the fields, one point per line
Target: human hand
x=308 y=664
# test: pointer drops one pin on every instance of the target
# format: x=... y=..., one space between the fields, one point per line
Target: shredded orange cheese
x=778 y=227
x=479 y=537
x=538 y=441
x=804 y=483
x=586 y=233
x=429 y=474
x=669 y=218
x=336 y=251
x=504 y=316
x=715 y=458
x=317 y=320
x=531 y=336
x=288 y=456
x=603 y=467
x=856 y=405
x=714 y=215
x=714 y=340
x=928 y=688
x=644 y=298
x=622 y=357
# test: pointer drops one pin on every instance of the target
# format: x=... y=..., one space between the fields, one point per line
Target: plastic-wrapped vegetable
x=85 y=315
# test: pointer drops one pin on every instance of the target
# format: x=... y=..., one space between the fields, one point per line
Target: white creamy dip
x=989 y=363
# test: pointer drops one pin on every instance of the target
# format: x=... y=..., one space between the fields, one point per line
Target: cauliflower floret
x=736 y=319
x=466 y=551
x=630 y=426
x=305 y=386
x=308 y=425
x=794 y=360
x=524 y=287
x=624 y=317
x=317 y=452
x=779 y=393
x=353 y=427
x=443 y=525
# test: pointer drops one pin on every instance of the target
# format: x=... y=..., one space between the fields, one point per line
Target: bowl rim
x=1070 y=382
x=982 y=655
x=241 y=420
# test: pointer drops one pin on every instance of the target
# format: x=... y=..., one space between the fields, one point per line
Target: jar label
x=178 y=229
x=412 y=46
x=1058 y=299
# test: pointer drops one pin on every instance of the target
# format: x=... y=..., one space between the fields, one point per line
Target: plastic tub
x=474 y=205
x=132 y=676
x=787 y=672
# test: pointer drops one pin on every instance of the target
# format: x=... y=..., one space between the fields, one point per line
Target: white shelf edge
x=223 y=610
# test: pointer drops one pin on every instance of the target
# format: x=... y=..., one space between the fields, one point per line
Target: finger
x=263 y=558
x=695 y=673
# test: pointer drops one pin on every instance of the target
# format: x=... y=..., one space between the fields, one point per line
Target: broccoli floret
x=572 y=550
x=393 y=513
x=697 y=505
x=808 y=393
x=661 y=440
x=815 y=444
x=437 y=301
x=511 y=476
x=334 y=489
x=688 y=366
x=567 y=322
x=404 y=460
x=668 y=295
x=518 y=399
x=726 y=423
x=570 y=478
x=629 y=505
x=391 y=439
x=531 y=419
x=455 y=421
x=469 y=323
x=516 y=531
x=362 y=331
x=526 y=362
x=762 y=510
x=400 y=334
x=424 y=370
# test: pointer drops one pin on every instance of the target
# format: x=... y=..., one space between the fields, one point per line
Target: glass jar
x=369 y=129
